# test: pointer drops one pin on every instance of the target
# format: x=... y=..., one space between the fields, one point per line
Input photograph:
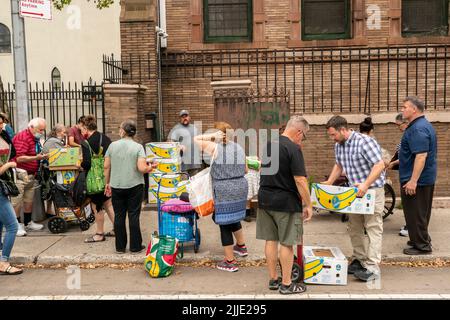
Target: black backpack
x=79 y=190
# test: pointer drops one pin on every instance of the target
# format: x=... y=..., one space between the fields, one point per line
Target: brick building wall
x=343 y=84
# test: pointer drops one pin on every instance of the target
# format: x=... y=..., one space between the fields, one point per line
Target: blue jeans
x=9 y=220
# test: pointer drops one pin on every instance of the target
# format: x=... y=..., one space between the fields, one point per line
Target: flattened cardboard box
x=64 y=157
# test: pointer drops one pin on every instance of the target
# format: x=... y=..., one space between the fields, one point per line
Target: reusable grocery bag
x=201 y=193
x=161 y=256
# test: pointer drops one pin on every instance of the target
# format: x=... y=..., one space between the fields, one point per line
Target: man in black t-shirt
x=283 y=186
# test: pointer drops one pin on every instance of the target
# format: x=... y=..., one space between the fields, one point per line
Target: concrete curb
x=188 y=258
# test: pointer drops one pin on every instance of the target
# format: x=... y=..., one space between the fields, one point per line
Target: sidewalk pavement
x=326 y=229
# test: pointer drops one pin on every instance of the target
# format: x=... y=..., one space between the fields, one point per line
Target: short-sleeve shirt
x=419 y=137
x=26 y=145
x=124 y=155
x=278 y=190
x=357 y=156
x=191 y=158
x=76 y=134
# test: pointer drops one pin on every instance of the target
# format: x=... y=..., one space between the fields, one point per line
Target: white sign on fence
x=40 y=9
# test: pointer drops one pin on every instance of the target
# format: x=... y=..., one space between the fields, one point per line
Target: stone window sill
x=418 y=40
x=228 y=46
x=328 y=43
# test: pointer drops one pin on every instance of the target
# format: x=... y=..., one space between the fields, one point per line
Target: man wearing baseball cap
x=184 y=133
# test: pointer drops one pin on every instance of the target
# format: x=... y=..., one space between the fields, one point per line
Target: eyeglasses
x=304 y=134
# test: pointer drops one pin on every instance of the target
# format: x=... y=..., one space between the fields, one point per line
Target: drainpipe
x=160 y=34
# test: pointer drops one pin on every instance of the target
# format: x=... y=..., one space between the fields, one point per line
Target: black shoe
x=138 y=251
x=410 y=243
x=416 y=252
x=274 y=284
x=366 y=275
x=355 y=266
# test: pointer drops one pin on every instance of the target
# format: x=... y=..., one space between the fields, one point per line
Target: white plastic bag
x=201 y=193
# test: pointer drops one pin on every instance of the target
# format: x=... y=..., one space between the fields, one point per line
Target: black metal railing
x=59 y=104
x=131 y=68
x=362 y=79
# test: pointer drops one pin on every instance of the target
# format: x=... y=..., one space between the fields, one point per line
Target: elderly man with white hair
x=28 y=156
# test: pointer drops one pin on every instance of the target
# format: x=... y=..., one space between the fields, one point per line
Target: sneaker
x=294 y=287
x=21 y=231
x=274 y=284
x=366 y=275
x=403 y=232
x=240 y=251
x=228 y=266
x=355 y=266
x=33 y=226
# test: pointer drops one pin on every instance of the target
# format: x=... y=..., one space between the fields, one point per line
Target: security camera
x=161 y=32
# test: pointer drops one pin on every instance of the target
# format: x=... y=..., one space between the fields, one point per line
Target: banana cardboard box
x=64 y=157
x=167 y=165
x=342 y=199
x=324 y=265
x=162 y=150
x=171 y=188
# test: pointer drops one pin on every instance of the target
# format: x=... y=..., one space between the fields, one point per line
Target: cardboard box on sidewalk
x=324 y=265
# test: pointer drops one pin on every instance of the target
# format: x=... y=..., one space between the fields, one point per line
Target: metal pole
x=20 y=67
x=158 y=57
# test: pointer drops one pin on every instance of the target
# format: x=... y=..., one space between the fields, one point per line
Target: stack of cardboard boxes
x=166 y=176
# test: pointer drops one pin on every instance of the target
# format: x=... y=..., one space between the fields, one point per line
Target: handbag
x=161 y=256
x=8 y=186
x=201 y=193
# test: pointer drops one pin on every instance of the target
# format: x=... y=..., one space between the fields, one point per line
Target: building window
x=325 y=19
x=424 y=18
x=5 y=39
x=56 y=78
x=227 y=20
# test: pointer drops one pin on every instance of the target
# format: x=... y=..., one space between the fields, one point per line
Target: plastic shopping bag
x=161 y=256
x=201 y=193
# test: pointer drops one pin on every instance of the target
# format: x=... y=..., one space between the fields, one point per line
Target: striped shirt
x=357 y=156
x=26 y=145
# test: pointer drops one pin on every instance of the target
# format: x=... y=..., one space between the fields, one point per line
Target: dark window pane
x=228 y=18
x=5 y=39
x=425 y=17
x=324 y=17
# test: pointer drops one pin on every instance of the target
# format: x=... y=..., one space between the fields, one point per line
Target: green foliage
x=100 y=4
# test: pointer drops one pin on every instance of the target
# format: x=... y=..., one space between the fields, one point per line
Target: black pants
x=226 y=233
x=123 y=201
x=417 y=209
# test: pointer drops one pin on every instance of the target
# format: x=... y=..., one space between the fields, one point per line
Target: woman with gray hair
x=125 y=166
x=57 y=138
x=402 y=124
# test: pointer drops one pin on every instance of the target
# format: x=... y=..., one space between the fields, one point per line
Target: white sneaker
x=21 y=231
x=33 y=226
x=404 y=232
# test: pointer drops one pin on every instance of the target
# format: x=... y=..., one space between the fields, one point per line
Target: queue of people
x=283 y=198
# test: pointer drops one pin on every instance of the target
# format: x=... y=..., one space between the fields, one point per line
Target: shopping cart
x=180 y=224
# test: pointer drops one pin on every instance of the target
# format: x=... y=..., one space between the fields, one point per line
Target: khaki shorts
x=283 y=227
x=26 y=184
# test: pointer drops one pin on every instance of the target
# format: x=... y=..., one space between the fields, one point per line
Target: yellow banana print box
x=168 y=166
x=342 y=199
x=162 y=150
x=325 y=265
x=165 y=193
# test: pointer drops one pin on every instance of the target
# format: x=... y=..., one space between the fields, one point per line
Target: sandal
x=91 y=239
x=8 y=271
x=294 y=287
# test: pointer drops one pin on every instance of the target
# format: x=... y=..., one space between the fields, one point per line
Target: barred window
x=5 y=39
x=228 y=20
x=325 y=19
x=424 y=18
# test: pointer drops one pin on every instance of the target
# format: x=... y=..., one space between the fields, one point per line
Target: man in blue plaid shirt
x=358 y=156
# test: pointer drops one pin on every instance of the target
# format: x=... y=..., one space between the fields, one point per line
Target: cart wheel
x=57 y=225
x=91 y=218
x=389 y=202
x=198 y=240
x=84 y=225
x=297 y=273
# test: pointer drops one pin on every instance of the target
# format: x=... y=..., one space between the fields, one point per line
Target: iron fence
x=64 y=104
x=362 y=79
